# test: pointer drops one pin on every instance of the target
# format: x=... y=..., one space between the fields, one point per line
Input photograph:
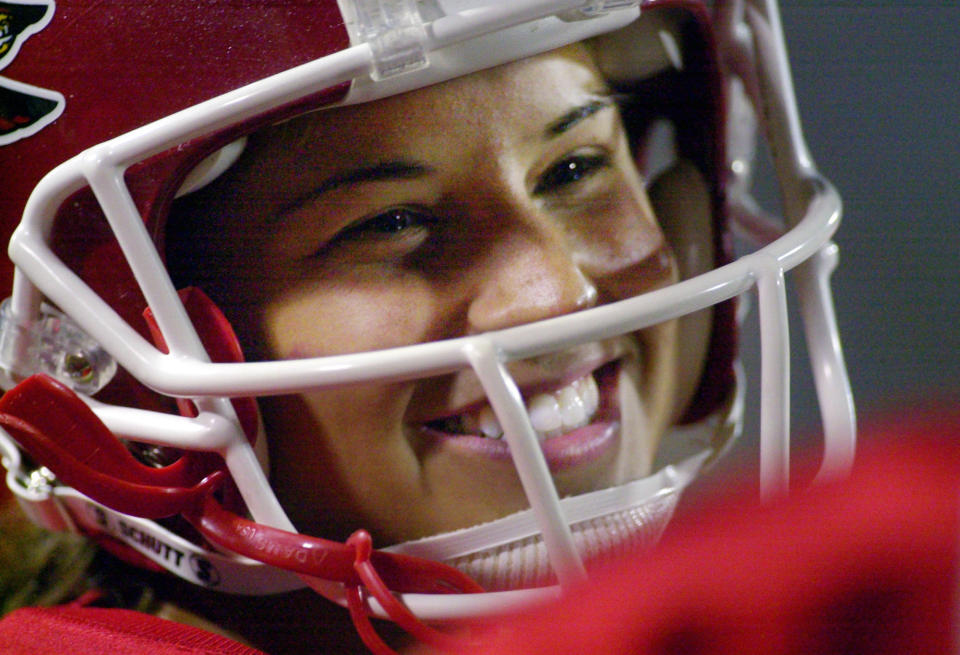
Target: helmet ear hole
x=681 y=200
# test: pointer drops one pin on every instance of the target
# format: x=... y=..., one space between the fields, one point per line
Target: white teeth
x=551 y=414
x=566 y=409
x=488 y=424
x=572 y=411
x=544 y=411
x=590 y=393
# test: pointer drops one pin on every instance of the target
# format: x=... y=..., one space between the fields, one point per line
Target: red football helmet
x=129 y=401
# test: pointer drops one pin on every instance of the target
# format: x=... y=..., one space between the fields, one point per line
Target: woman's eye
x=569 y=170
x=395 y=232
x=392 y=222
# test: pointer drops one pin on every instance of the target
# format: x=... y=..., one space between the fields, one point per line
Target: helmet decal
x=18 y=21
x=24 y=109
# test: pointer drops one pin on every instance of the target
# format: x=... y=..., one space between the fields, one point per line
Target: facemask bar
x=756 y=51
x=528 y=458
x=813 y=207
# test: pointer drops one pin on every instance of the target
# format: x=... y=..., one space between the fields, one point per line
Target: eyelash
x=569 y=171
x=390 y=222
x=388 y=227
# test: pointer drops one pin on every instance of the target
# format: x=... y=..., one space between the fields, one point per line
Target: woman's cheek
x=351 y=316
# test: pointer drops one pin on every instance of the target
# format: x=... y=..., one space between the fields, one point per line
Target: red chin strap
x=354 y=564
x=56 y=428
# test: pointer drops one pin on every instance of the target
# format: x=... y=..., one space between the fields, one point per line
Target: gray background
x=877 y=86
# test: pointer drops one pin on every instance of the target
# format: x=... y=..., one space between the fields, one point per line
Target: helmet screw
x=78 y=367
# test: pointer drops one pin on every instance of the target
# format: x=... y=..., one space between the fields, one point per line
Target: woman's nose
x=530 y=275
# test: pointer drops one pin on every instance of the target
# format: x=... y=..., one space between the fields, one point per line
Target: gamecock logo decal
x=24 y=109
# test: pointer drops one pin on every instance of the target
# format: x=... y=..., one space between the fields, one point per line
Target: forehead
x=495 y=102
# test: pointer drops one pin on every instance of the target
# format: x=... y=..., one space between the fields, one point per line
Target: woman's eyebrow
x=386 y=170
x=398 y=169
x=575 y=116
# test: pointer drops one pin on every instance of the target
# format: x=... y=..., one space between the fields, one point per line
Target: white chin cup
x=509 y=553
x=524 y=563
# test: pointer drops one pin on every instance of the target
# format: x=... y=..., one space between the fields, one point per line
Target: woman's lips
x=575 y=423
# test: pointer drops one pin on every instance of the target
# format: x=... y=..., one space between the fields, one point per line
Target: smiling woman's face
x=489 y=201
